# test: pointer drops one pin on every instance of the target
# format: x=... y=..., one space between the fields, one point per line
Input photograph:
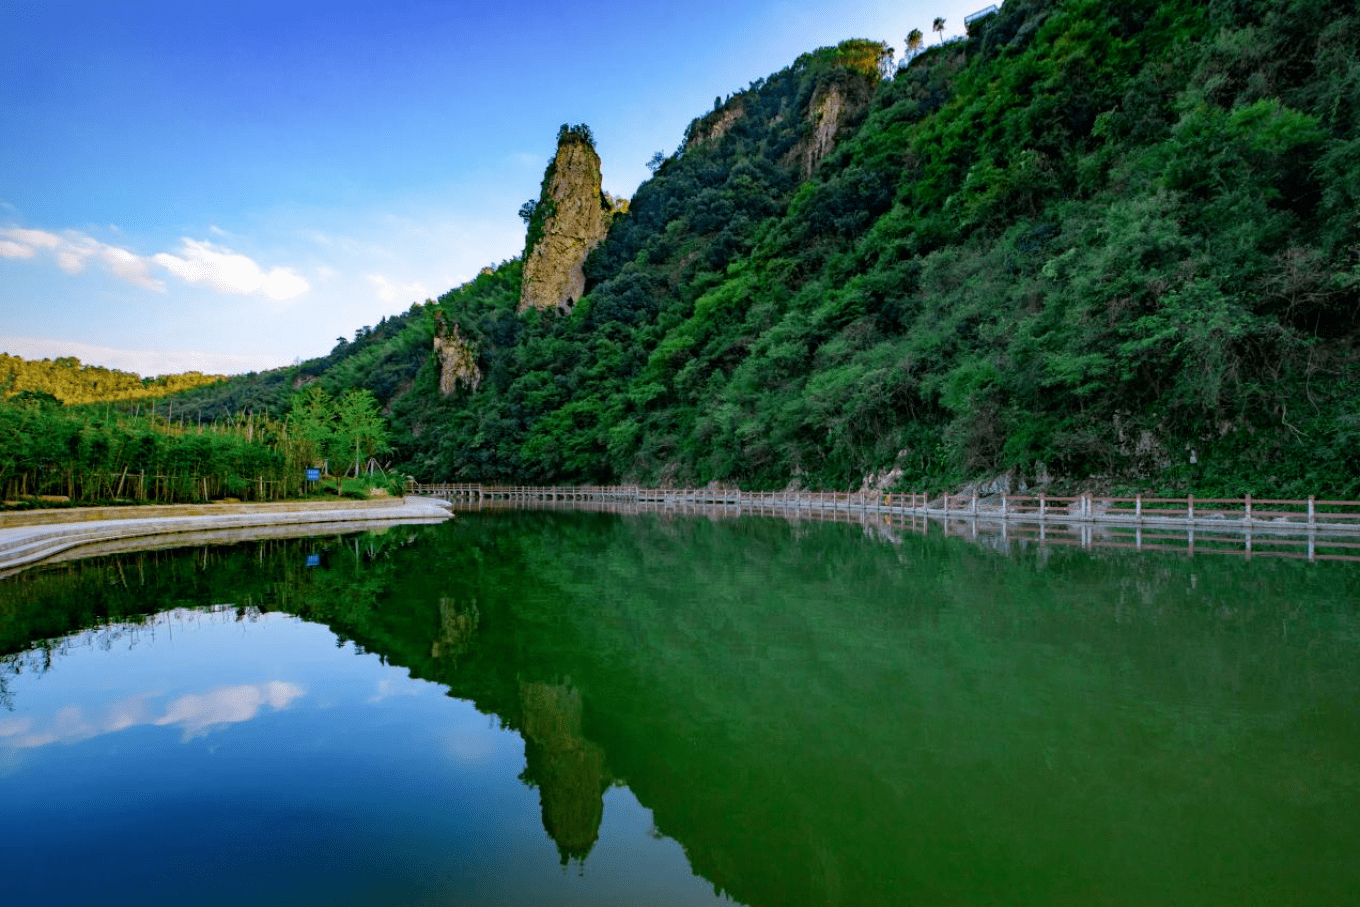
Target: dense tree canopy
x=69 y=381
x=1090 y=238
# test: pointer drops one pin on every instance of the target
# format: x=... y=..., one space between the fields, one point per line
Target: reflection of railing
x=1239 y=513
x=1317 y=530
x=1297 y=541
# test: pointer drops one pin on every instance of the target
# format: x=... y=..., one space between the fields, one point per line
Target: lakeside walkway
x=31 y=537
x=1244 y=513
x=1311 y=529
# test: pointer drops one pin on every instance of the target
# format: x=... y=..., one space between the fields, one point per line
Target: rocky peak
x=570 y=219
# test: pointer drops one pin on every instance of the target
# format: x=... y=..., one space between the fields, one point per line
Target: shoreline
x=29 y=538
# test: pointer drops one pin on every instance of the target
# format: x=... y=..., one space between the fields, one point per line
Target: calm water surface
x=569 y=708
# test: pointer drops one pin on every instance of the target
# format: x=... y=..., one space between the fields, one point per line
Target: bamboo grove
x=104 y=454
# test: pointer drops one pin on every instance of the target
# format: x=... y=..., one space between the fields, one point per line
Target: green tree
x=938 y=27
x=914 y=40
x=359 y=427
x=312 y=424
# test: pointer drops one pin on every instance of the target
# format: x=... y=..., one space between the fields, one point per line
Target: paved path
x=49 y=534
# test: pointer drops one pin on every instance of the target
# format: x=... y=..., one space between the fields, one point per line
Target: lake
x=587 y=708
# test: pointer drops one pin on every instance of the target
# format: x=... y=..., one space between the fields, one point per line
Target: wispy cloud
x=387 y=688
x=40 y=238
x=141 y=362
x=195 y=262
x=230 y=272
x=11 y=249
x=389 y=291
x=195 y=714
x=130 y=267
x=72 y=250
x=198 y=713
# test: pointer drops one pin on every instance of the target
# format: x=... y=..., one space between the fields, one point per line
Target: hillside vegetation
x=70 y=381
x=1088 y=240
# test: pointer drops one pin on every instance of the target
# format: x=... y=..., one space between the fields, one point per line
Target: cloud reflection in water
x=195 y=714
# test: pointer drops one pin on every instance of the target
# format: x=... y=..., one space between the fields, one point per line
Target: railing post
x=1190 y=508
x=1041 y=508
x=1003 y=505
x=974 y=506
x=1247 y=519
x=1138 y=509
x=1312 y=518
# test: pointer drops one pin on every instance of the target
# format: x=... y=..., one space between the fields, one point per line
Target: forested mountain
x=1087 y=240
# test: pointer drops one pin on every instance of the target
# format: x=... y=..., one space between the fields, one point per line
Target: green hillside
x=1084 y=242
x=70 y=381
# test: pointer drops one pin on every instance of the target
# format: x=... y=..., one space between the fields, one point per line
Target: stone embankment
x=31 y=537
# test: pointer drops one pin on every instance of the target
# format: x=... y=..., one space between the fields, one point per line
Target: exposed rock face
x=826 y=112
x=457 y=358
x=575 y=223
x=716 y=124
x=831 y=108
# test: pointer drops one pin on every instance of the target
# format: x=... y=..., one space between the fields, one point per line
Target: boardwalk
x=1312 y=529
x=1209 y=513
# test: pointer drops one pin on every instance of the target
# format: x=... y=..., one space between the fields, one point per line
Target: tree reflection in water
x=819 y=717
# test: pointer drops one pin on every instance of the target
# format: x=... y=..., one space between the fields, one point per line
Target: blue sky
x=228 y=186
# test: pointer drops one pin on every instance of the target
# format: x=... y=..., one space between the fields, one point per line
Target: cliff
x=571 y=217
x=457 y=358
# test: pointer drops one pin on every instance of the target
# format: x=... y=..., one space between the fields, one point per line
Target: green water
x=682 y=709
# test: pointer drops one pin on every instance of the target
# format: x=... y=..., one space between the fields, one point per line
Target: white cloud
x=230 y=272
x=390 y=292
x=140 y=362
x=72 y=249
x=71 y=259
x=195 y=262
x=40 y=238
x=284 y=283
x=130 y=267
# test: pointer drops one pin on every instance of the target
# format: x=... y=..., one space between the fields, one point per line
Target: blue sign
x=313 y=475
x=313 y=560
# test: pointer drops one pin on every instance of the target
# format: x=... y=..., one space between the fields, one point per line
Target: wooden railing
x=1239 y=513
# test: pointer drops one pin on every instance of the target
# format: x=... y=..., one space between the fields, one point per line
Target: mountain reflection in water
x=823 y=718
